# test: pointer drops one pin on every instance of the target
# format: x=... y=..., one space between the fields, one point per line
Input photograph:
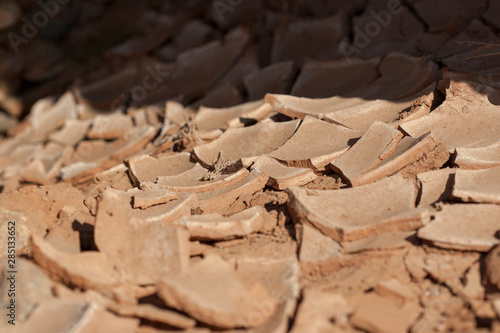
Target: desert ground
x=250 y=166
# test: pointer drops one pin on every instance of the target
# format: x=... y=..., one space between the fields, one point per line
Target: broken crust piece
x=435 y=186
x=64 y=316
x=354 y=113
x=356 y=213
x=212 y=119
x=464 y=227
x=373 y=147
x=278 y=272
x=466 y=118
x=152 y=313
x=385 y=241
x=73 y=131
x=280 y=176
x=264 y=111
x=478 y=186
x=397 y=290
x=246 y=144
x=147 y=168
x=319 y=311
x=315 y=144
x=318 y=253
x=113 y=154
x=86 y=270
x=111 y=126
x=410 y=157
x=164 y=213
x=477 y=158
x=219 y=199
x=46 y=121
x=165 y=249
x=212 y=292
x=149 y=195
x=199 y=179
x=375 y=313
x=362 y=116
x=218 y=227
x=44 y=171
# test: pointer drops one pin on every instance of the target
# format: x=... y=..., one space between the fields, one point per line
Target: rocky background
x=48 y=47
x=250 y=166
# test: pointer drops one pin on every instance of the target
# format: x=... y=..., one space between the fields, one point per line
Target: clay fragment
x=280 y=176
x=387 y=206
x=477 y=158
x=87 y=270
x=278 y=274
x=44 y=122
x=435 y=186
x=35 y=209
x=321 y=311
x=44 y=168
x=219 y=199
x=147 y=168
x=66 y=316
x=198 y=69
x=156 y=28
x=385 y=241
x=63 y=237
x=72 y=132
x=373 y=147
x=478 y=186
x=302 y=149
x=395 y=289
x=110 y=126
x=164 y=213
x=217 y=227
x=211 y=119
x=200 y=179
x=381 y=314
x=473 y=289
x=165 y=249
x=354 y=113
x=464 y=227
x=466 y=118
x=30 y=292
x=318 y=253
x=238 y=303
x=246 y=143
x=150 y=195
x=409 y=158
x=153 y=313
x=94 y=156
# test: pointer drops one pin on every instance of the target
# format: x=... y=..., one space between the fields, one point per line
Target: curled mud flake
x=221 y=166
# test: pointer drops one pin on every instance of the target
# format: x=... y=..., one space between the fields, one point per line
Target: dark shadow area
x=86 y=235
x=116 y=54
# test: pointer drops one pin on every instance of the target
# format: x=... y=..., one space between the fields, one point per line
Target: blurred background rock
x=222 y=52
